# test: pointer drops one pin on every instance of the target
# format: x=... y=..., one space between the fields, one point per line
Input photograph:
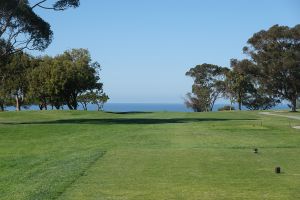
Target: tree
x=257 y=99
x=84 y=99
x=60 y=80
x=5 y=99
x=245 y=88
x=276 y=53
x=77 y=75
x=98 y=97
x=198 y=101
x=101 y=101
x=237 y=82
x=15 y=78
x=3 y=92
x=226 y=108
x=21 y=28
x=207 y=88
x=42 y=88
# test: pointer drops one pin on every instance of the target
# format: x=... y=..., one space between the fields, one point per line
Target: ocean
x=148 y=107
x=167 y=107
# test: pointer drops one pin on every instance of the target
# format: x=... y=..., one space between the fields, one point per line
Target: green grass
x=94 y=155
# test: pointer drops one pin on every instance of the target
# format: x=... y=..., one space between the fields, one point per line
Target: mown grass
x=95 y=155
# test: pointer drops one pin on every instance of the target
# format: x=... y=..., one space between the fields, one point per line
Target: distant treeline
x=270 y=75
x=66 y=79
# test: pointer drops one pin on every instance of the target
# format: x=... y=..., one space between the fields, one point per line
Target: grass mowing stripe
x=97 y=156
x=45 y=176
x=58 y=154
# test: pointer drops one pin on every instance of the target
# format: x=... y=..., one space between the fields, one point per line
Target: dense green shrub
x=224 y=108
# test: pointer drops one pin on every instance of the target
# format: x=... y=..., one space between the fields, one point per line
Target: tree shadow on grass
x=130 y=112
x=129 y=121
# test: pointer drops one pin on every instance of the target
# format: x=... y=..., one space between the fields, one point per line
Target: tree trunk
x=56 y=104
x=83 y=104
x=98 y=107
x=18 y=106
x=239 y=100
x=1 y=107
x=70 y=106
x=294 y=104
x=44 y=103
x=231 y=102
x=74 y=104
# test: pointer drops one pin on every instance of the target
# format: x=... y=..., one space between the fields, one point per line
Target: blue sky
x=146 y=46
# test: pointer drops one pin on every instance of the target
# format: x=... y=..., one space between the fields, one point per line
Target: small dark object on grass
x=255 y=150
x=277 y=170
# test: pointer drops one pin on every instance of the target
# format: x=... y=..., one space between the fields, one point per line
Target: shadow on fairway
x=129 y=121
x=130 y=112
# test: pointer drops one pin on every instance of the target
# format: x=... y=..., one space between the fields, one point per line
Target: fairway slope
x=159 y=155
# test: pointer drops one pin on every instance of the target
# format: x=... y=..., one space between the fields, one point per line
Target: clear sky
x=146 y=46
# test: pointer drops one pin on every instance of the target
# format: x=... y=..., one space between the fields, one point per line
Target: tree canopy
x=207 y=88
x=270 y=76
x=14 y=79
x=21 y=28
x=238 y=83
x=276 y=53
x=51 y=81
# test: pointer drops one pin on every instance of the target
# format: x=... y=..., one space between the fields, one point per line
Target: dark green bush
x=224 y=108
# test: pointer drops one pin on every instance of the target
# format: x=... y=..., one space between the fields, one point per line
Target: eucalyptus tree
x=15 y=83
x=77 y=74
x=59 y=80
x=245 y=89
x=238 y=83
x=5 y=98
x=42 y=88
x=97 y=97
x=207 y=88
x=257 y=99
x=84 y=99
x=276 y=53
x=22 y=28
